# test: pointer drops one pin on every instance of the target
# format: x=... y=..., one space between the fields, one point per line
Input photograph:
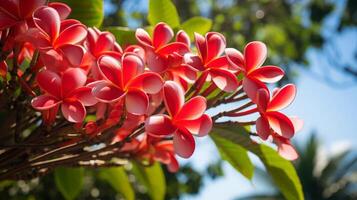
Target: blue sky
x=328 y=111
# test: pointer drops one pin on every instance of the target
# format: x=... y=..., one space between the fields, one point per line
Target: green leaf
x=281 y=170
x=163 y=11
x=69 y=181
x=124 y=36
x=89 y=12
x=118 y=179
x=152 y=178
x=236 y=155
x=199 y=25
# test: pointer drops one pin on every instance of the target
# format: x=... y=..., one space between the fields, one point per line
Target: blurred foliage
x=331 y=179
x=288 y=27
x=105 y=184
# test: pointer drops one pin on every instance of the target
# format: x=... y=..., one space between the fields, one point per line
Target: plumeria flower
x=255 y=75
x=19 y=12
x=183 y=119
x=99 y=43
x=68 y=91
x=155 y=149
x=58 y=41
x=166 y=57
x=270 y=118
x=126 y=78
x=158 y=48
x=211 y=62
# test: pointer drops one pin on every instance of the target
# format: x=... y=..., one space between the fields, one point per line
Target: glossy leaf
x=199 y=25
x=235 y=154
x=123 y=35
x=119 y=181
x=89 y=12
x=163 y=11
x=281 y=170
x=69 y=181
x=152 y=178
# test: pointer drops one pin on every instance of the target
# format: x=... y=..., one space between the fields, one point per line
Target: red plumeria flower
x=58 y=41
x=211 y=62
x=155 y=149
x=269 y=115
x=255 y=75
x=165 y=57
x=159 y=47
x=126 y=79
x=99 y=43
x=285 y=148
x=183 y=119
x=67 y=90
x=19 y=12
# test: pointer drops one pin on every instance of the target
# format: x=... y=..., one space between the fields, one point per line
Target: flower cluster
x=156 y=91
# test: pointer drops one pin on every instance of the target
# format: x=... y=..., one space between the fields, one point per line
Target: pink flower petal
x=68 y=23
x=106 y=92
x=192 y=109
x=37 y=38
x=201 y=46
x=44 y=102
x=73 y=111
x=110 y=68
x=186 y=72
x=105 y=42
x=220 y=62
x=281 y=124
x=50 y=82
x=216 y=43
x=73 y=53
x=6 y=19
x=132 y=65
x=27 y=7
x=72 y=35
x=286 y=149
x=174 y=47
x=263 y=128
x=194 y=61
x=150 y=82
x=173 y=166
x=262 y=100
x=174 y=97
x=182 y=36
x=254 y=54
x=48 y=20
x=200 y=127
x=159 y=125
x=63 y=9
x=297 y=122
x=155 y=62
x=72 y=79
x=224 y=79
x=136 y=102
x=235 y=58
x=143 y=37
x=251 y=87
x=184 y=144
x=162 y=34
x=282 y=98
x=267 y=74
x=85 y=96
